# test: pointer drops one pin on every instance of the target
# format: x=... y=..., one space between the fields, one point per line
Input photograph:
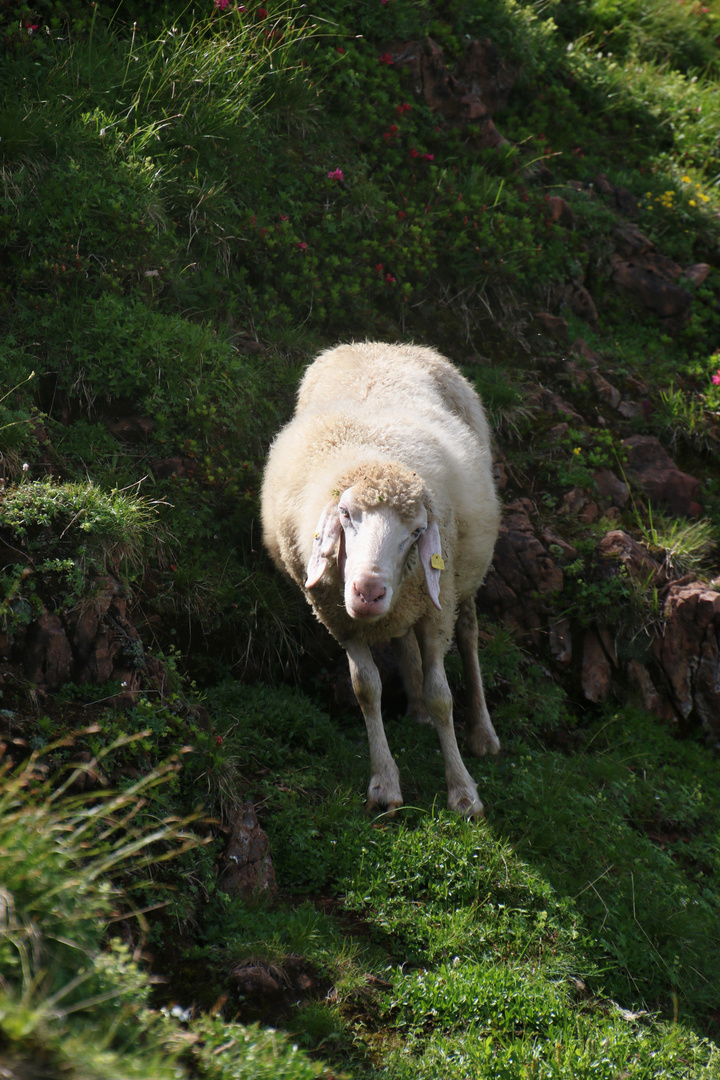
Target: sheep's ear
x=430 y=550
x=327 y=534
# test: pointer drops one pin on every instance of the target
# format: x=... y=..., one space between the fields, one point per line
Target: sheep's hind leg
x=480 y=737
x=384 y=788
x=463 y=796
x=408 y=656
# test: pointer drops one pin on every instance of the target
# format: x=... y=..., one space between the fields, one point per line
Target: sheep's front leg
x=463 y=797
x=384 y=788
x=480 y=737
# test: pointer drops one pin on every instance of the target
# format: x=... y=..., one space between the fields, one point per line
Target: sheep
x=378 y=500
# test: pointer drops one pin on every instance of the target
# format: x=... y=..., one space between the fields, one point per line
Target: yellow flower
x=692 y=202
x=705 y=198
x=686 y=180
x=577 y=450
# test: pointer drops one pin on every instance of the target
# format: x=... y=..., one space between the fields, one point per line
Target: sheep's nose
x=369 y=591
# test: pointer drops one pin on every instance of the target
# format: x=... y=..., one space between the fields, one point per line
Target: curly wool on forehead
x=386 y=483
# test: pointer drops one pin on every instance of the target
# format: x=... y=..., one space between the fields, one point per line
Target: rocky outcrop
x=524 y=575
x=247 y=868
x=653 y=470
x=471 y=95
x=687 y=654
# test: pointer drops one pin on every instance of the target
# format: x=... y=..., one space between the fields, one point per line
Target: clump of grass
x=684 y=546
x=80 y=520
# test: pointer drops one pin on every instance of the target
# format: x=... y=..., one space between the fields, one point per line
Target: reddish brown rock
x=650 y=466
x=470 y=96
x=596 y=673
x=698 y=273
x=553 y=324
x=553 y=405
x=560 y=641
x=560 y=212
x=48 y=656
x=247 y=866
x=252 y=978
x=633 y=556
x=688 y=652
x=522 y=575
x=611 y=490
x=607 y=393
x=652 y=700
x=132 y=429
x=650 y=280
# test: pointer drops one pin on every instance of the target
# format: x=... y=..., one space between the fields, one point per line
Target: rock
x=607 y=393
x=688 y=652
x=552 y=404
x=560 y=641
x=553 y=324
x=523 y=574
x=133 y=429
x=560 y=212
x=580 y=348
x=634 y=557
x=48 y=656
x=649 y=280
x=623 y=200
x=248 y=870
x=630 y=410
x=650 y=466
x=471 y=96
x=652 y=701
x=596 y=673
x=550 y=537
x=698 y=273
x=611 y=490
x=582 y=304
x=254 y=978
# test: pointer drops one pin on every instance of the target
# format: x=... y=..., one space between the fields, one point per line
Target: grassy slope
x=175 y=250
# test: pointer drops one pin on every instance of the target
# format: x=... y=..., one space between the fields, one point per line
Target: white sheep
x=378 y=500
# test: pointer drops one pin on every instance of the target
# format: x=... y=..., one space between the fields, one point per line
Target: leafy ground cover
x=190 y=207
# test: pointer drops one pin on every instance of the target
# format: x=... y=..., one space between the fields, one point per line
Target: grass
x=187 y=213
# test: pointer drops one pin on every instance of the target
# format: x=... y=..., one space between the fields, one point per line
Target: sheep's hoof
x=383 y=798
x=390 y=810
x=467 y=806
x=481 y=743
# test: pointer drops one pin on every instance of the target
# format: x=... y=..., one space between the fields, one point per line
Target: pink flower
x=379 y=268
x=389 y=278
x=386 y=58
x=262 y=13
x=222 y=4
x=336 y=174
x=428 y=157
x=414 y=153
x=301 y=245
x=403 y=108
x=716 y=377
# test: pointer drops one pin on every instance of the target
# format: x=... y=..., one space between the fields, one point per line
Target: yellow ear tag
x=437 y=562
x=317 y=536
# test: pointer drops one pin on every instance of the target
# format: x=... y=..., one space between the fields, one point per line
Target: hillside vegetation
x=192 y=204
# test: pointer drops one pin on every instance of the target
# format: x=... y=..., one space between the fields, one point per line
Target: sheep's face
x=375 y=544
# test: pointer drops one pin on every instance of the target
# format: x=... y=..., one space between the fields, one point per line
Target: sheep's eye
x=343 y=512
x=417 y=533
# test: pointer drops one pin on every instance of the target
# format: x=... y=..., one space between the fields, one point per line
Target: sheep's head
x=377 y=525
